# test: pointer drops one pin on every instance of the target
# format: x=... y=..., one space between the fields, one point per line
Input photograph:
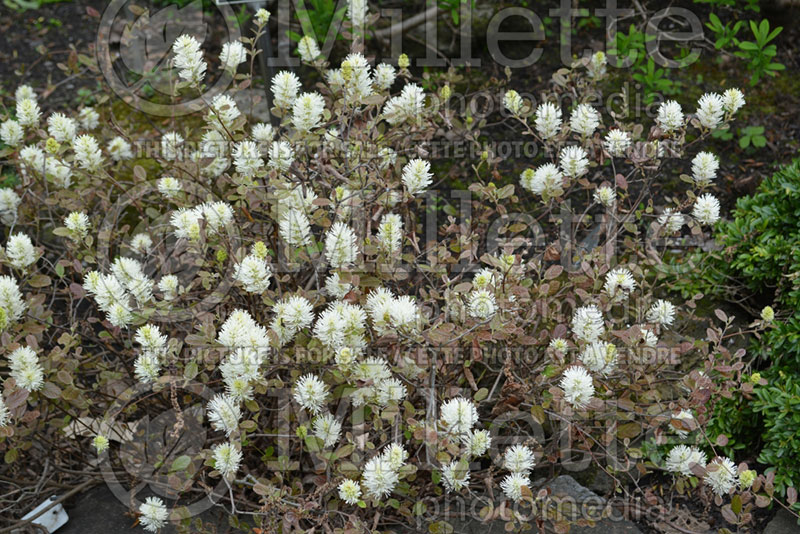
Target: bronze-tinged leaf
x=629 y=430
x=39 y=280
x=553 y=272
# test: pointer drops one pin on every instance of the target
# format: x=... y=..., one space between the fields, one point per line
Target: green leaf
x=180 y=463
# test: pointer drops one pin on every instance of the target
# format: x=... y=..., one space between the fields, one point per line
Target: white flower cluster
x=20 y=252
x=253 y=273
x=154 y=347
x=189 y=59
x=382 y=472
x=114 y=292
x=393 y=314
x=153 y=514
x=25 y=369
x=519 y=460
x=187 y=221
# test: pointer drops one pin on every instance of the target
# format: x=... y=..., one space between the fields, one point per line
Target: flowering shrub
x=351 y=355
x=753 y=265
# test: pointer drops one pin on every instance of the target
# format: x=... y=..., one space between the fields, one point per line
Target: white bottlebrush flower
x=189 y=59
x=404 y=315
x=335 y=287
x=151 y=339
x=670 y=221
x=142 y=243
x=606 y=196
x=224 y=414
x=513 y=102
x=390 y=390
x=459 y=415
x=217 y=215
x=559 y=344
x=395 y=455
x=546 y=181
x=681 y=459
x=584 y=120
x=169 y=286
x=285 y=86
x=482 y=304
x=88 y=118
x=119 y=149
x=587 y=323
x=227 y=458
x=28 y=112
x=262 y=16
x=477 y=442
x=221 y=115
x=617 y=143
x=169 y=187
x=100 y=443
x=350 y=491
x=153 y=514
x=247 y=158
x=417 y=176
x=281 y=156
x=721 y=475
x=147 y=367
x=310 y=392
x=455 y=476
x=357 y=78
x=11 y=298
x=704 y=168
x=379 y=478
x=662 y=312
x=25 y=369
x=61 y=128
x=597 y=65
x=295 y=228
x=408 y=106
x=484 y=279
x=327 y=428
x=357 y=12
x=263 y=133
x=9 y=202
x=308 y=49
x=25 y=92
x=253 y=273
x=619 y=283
x=512 y=485
x=171 y=143
x=233 y=53
x=390 y=233
x=547 y=120
x=732 y=100
x=77 y=223
x=706 y=209
x=11 y=133
x=600 y=357
x=33 y=158
x=307 y=111
x=519 y=459
x=573 y=161
x=577 y=385
x=710 y=110
x=341 y=249
x=87 y=153
x=384 y=76
x=20 y=252
x=670 y=116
